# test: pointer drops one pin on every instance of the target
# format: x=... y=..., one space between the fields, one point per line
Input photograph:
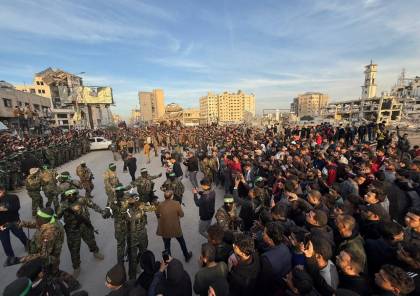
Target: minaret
x=369 y=87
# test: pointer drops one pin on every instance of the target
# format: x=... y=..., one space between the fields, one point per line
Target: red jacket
x=234 y=166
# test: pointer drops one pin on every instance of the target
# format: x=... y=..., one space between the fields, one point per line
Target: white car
x=99 y=143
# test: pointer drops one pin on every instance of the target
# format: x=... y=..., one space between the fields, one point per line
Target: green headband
x=46 y=216
x=27 y=289
x=111 y=165
x=70 y=192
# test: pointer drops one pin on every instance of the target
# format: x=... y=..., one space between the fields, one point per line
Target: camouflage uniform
x=86 y=176
x=206 y=169
x=213 y=164
x=78 y=226
x=263 y=196
x=110 y=180
x=130 y=230
x=68 y=184
x=229 y=221
x=49 y=186
x=50 y=156
x=46 y=242
x=33 y=186
x=176 y=186
x=145 y=187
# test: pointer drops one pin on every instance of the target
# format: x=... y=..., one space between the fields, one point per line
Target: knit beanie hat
x=116 y=275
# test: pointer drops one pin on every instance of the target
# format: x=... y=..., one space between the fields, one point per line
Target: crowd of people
x=318 y=210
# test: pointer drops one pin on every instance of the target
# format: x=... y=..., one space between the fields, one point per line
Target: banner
x=96 y=95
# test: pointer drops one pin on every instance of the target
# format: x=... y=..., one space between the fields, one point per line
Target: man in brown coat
x=169 y=213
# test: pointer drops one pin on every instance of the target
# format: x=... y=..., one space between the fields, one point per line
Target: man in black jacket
x=176 y=168
x=206 y=204
x=9 y=214
x=131 y=163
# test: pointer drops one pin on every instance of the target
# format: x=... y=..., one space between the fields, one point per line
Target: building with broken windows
x=72 y=103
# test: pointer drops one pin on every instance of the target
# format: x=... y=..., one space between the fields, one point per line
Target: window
x=7 y=103
x=92 y=140
x=43 y=91
x=19 y=103
x=36 y=106
x=37 y=83
x=41 y=83
x=39 y=91
x=99 y=140
x=62 y=115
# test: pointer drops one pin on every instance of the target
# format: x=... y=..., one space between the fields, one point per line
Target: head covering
x=45 y=166
x=83 y=162
x=143 y=170
x=343 y=160
x=228 y=198
x=175 y=271
x=44 y=213
x=172 y=174
x=70 y=192
x=205 y=181
x=119 y=187
x=112 y=165
x=377 y=209
x=116 y=275
x=33 y=171
x=258 y=179
x=19 y=287
x=65 y=173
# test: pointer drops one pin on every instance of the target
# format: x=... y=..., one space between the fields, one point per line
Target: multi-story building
x=407 y=90
x=135 y=116
x=191 y=117
x=385 y=108
x=72 y=104
x=309 y=104
x=152 y=105
x=226 y=107
x=11 y=98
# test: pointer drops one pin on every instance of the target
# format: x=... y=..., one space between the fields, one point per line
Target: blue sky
x=272 y=48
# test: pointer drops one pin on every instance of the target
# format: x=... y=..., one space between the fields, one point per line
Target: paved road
x=93 y=272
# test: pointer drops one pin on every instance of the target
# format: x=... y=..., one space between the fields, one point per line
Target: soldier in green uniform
x=130 y=227
x=48 y=238
x=50 y=155
x=4 y=175
x=145 y=185
x=66 y=183
x=111 y=181
x=85 y=175
x=33 y=186
x=206 y=169
x=78 y=226
x=13 y=169
x=227 y=216
x=261 y=193
x=49 y=186
x=175 y=185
